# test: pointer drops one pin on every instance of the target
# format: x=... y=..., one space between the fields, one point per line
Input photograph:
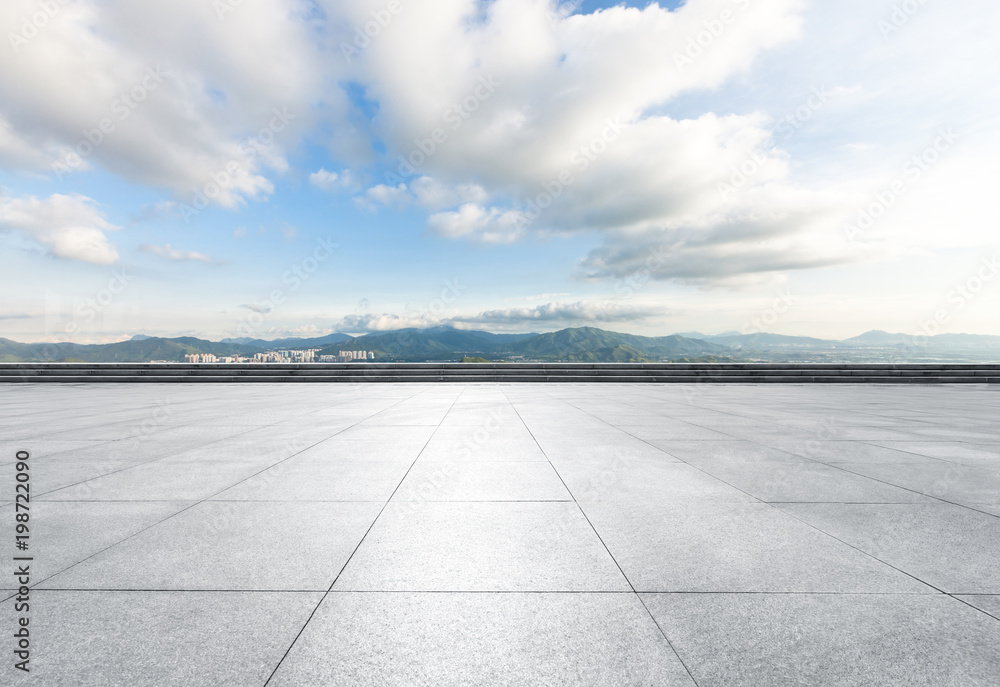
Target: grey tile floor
x=439 y=534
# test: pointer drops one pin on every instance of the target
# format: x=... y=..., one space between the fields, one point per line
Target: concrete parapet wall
x=503 y=372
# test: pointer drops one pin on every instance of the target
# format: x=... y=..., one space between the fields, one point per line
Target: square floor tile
x=338 y=449
x=953 y=548
x=310 y=480
x=154 y=639
x=410 y=417
x=803 y=480
x=463 y=443
x=62 y=534
x=481 y=415
x=775 y=640
x=50 y=476
x=734 y=547
x=481 y=639
x=232 y=546
x=645 y=481
x=849 y=452
x=482 y=481
x=623 y=448
x=40 y=449
x=943 y=480
x=677 y=431
x=987 y=456
x=424 y=546
x=405 y=436
x=161 y=481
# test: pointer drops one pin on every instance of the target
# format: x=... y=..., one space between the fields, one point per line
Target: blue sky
x=248 y=180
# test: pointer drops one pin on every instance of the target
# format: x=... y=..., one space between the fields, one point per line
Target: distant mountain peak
x=580 y=344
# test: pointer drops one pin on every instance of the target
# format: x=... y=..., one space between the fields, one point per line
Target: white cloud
x=471 y=220
x=69 y=226
x=559 y=79
x=167 y=252
x=332 y=181
x=18 y=153
x=579 y=312
x=564 y=136
x=594 y=313
x=434 y=194
x=424 y=191
x=385 y=322
x=384 y=195
x=764 y=232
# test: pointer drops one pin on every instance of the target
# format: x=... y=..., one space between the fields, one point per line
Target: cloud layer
x=504 y=122
x=557 y=121
x=170 y=95
x=547 y=316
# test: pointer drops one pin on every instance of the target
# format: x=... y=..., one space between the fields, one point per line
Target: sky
x=233 y=168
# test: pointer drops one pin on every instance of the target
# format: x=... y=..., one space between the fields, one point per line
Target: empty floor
x=505 y=534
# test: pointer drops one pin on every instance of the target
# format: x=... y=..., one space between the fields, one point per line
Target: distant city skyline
x=302 y=167
x=309 y=355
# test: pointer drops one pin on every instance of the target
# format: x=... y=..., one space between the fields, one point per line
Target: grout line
x=808 y=524
x=168 y=455
x=360 y=542
x=191 y=504
x=873 y=556
x=610 y=555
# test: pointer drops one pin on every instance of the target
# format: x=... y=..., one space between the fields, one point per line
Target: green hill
x=589 y=344
x=404 y=345
x=583 y=344
x=135 y=351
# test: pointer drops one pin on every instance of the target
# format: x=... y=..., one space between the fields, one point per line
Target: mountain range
x=583 y=344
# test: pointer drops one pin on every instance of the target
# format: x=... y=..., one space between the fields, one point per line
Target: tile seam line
x=187 y=424
x=837 y=466
x=807 y=524
x=91 y=415
x=385 y=505
x=694 y=405
x=777 y=425
x=146 y=462
x=935 y=587
x=939 y=499
x=604 y=544
x=849 y=412
x=189 y=507
x=168 y=455
x=812 y=460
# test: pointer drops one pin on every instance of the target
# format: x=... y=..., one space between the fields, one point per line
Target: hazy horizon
x=616 y=330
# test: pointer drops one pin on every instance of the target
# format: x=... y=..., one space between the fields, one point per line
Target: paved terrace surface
x=463 y=534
